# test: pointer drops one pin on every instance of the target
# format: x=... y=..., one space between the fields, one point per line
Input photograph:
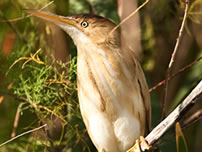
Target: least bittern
x=112 y=90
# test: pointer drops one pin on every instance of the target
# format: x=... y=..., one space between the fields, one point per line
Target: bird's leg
x=137 y=145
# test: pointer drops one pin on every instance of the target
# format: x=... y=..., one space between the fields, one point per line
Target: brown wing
x=139 y=75
x=145 y=96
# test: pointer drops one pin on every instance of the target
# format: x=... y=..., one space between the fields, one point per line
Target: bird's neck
x=100 y=58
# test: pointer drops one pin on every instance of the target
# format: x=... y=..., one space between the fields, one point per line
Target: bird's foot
x=137 y=145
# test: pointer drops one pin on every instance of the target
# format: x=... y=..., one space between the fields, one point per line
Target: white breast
x=111 y=135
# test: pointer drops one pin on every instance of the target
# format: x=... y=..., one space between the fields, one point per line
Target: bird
x=112 y=90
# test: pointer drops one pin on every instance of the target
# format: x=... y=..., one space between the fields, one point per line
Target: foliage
x=51 y=96
x=180 y=140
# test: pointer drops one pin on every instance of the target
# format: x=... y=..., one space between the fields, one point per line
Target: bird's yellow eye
x=84 y=24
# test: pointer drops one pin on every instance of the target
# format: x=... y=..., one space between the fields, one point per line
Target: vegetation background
x=38 y=69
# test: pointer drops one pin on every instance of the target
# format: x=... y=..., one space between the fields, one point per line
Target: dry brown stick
x=160 y=130
x=20 y=18
x=17 y=117
x=192 y=119
x=175 y=74
x=172 y=60
x=128 y=17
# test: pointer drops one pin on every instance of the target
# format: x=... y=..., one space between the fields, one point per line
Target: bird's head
x=83 y=28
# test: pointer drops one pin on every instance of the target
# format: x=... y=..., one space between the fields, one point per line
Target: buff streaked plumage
x=112 y=90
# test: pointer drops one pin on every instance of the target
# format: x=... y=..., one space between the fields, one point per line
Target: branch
x=160 y=130
x=128 y=17
x=175 y=74
x=24 y=133
x=172 y=60
x=20 y=18
x=192 y=119
x=17 y=117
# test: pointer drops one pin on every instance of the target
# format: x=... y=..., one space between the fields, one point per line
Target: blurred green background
x=44 y=89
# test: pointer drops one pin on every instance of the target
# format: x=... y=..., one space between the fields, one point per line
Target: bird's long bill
x=60 y=20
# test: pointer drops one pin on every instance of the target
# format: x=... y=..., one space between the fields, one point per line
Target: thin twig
x=175 y=74
x=24 y=133
x=172 y=60
x=192 y=119
x=160 y=130
x=20 y=18
x=128 y=17
x=17 y=117
x=34 y=58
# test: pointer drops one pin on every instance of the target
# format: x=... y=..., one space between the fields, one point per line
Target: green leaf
x=180 y=140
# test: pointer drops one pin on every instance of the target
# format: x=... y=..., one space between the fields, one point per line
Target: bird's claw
x=137 y=145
